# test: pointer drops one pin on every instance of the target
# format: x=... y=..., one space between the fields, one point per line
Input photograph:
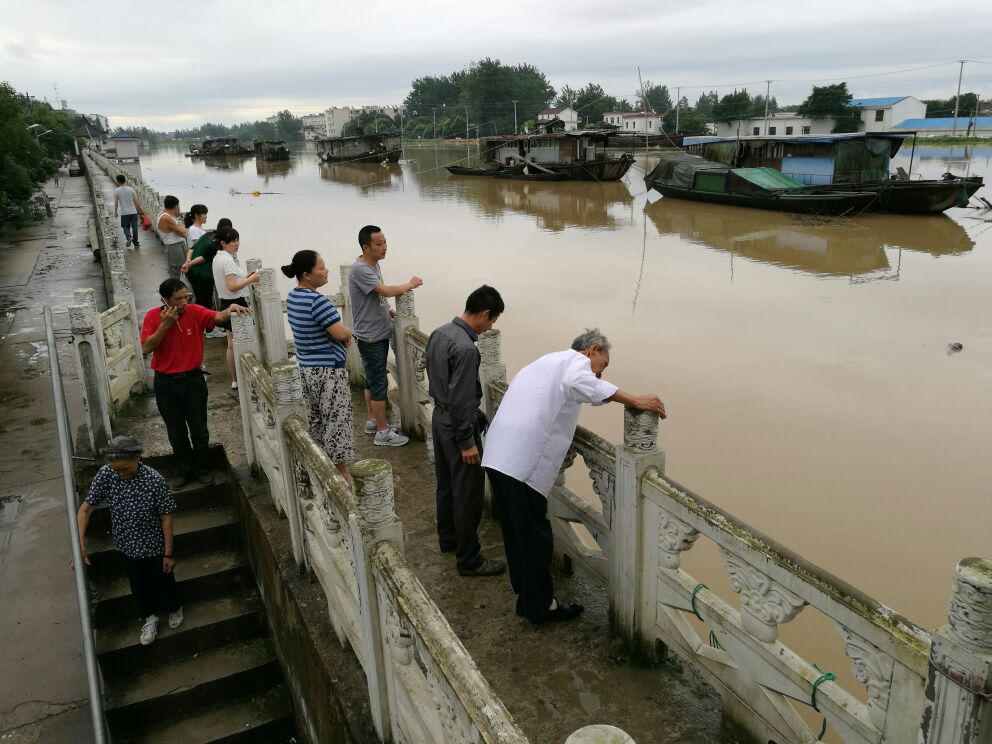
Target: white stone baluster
x=270 y=310
x=491 y=367
x=765 y=604
x=91 y=357
x=375 y=522
x=406 y=371
x=674 y=537
x=960 y=674
x=638 y=453
x=289 y=402
x=245 y=339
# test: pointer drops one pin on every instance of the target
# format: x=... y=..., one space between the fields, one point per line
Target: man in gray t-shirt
x=127 y=206
x=372 y=328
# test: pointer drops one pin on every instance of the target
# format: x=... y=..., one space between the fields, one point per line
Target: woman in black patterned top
x=141 y=507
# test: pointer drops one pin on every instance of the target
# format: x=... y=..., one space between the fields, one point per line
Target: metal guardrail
x=79 y=568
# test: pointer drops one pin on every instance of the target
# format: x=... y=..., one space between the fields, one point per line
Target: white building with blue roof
x=967 y=126
x=882 y=114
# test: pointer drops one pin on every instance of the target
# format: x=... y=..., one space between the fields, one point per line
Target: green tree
x=758 y=106
x=566 y=97
x=944 y=107
x=655 y=98
x=690 y=120
x=592 y=102
x=732 y=106
x=288 y=127
x=834 y=101
x=706 y=102
x=27 y=157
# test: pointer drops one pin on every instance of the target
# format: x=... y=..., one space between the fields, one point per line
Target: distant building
x=566 y=114
x=314 y=127
x=882 y=114
x=125 y=148
x=967 y=126
x=780 y=124
x=641 y=122
x=336 y=117
x=877 y=115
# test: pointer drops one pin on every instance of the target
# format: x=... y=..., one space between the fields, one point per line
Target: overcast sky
x=167 y=65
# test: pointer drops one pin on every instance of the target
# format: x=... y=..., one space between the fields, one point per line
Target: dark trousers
x=460 y=489
x=129 y=224
x=527 y=539
x=203 y=291
x=153 y=589
x=182 y=401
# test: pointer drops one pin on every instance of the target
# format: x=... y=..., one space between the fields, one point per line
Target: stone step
x=198 y=576
x=165 y=692
x=263 y=717
x=190 y=497
x=216 y=621
x=193 y=532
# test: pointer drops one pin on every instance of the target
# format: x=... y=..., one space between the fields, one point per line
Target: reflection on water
x=833 y=247
x=371 y=178
x=224 y=162
x=279 y=168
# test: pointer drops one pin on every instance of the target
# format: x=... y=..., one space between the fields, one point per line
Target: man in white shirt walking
x=525 y=447
x=127 y=206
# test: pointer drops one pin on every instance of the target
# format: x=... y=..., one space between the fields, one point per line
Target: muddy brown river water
x=804 y=362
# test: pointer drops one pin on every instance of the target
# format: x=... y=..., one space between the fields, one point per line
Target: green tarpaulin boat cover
x=766 y=178
x=679 y=170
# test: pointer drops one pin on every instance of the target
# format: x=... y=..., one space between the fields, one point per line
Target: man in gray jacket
x=453 y=372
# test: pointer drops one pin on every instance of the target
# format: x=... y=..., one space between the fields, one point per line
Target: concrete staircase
x=213 y=679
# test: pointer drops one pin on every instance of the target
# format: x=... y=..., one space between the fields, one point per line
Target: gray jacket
x=453 y=371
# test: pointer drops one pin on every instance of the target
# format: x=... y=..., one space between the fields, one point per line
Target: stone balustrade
x=107 y=344
x=914 y=686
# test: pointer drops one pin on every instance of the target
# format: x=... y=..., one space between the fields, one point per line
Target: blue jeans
x=129 y=222
x=374 y=356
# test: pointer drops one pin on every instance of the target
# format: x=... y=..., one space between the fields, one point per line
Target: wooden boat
x=842 y=163
x=576 y=156
x=360 y=148
x=221 y=146
x=523 y=173
x=461 y=170
x=697 y=179
x=271 y=150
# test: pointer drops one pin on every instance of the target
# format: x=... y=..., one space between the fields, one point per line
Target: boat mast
x=644 y=107
x=768 y=92
x=954 y=122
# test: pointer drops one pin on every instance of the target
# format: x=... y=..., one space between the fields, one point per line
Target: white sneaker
x=371 y=427
x=149 y=631
x=390 y=438
x=176 y=618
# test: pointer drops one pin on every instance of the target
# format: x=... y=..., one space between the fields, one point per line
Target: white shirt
x=223 y=265
x=194 y=233
x=536 y=421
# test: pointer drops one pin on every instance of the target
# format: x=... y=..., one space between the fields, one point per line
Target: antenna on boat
x=644 y=107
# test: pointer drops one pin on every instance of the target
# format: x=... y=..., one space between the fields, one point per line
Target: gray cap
x=123 y=447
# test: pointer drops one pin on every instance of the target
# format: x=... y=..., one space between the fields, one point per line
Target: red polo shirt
x=181 y=349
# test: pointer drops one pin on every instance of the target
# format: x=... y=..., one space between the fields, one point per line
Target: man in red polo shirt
x=173 y=334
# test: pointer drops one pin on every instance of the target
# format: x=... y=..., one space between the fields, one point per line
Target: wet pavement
x=43 y=693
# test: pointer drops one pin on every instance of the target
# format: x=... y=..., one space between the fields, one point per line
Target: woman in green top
x=199 y=270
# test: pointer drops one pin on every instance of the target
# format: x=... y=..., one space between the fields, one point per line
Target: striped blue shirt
x=310 y=315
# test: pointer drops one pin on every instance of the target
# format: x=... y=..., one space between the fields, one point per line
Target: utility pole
x=434 y=111
x=401 y=133
x=768 y=93
x=468 y=147
x=515 y=130
x=678 y=105
x=957 y=98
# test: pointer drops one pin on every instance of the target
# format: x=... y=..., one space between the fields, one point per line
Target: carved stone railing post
x=269 y=308
x=765 y=604
x=245 y=339
x=288 y=387
x=960 y=673
x=638 y=453
x=91 y=357
x=491 y=367
x=375 y=522
x=353 y=360
x=406 y=372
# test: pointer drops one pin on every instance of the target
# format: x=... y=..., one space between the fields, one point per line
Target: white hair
x=591 y=337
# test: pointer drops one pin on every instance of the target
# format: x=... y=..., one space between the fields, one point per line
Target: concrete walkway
x=43 y=693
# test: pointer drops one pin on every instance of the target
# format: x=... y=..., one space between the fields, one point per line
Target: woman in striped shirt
x=321 y=339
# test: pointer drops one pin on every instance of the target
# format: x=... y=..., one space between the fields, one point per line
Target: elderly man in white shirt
x=525 y=447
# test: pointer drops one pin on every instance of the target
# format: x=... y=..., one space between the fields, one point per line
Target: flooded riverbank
x=804 y=362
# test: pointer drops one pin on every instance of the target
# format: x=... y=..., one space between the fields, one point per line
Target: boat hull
x=805 y=203
x=914 y=197
x=458 y=170
x=392 y=156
